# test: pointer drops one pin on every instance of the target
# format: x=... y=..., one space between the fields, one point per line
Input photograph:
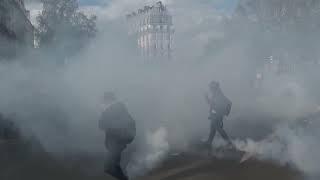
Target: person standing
x=120 y=130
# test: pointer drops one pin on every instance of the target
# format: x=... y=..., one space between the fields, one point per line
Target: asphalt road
x=187 y=167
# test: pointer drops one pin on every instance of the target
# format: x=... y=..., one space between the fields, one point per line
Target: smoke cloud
x=61 y=105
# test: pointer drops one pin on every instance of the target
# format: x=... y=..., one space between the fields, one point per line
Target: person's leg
x=120 y=173
x=113 y=164
x=113 y=159
x=212 y=134
x=208 y=144
x=223 y=133
x=109 y=161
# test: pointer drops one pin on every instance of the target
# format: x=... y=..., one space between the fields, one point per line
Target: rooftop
x=159 y=7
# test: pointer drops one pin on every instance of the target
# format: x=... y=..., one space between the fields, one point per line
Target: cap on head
x=214 y=84
x=109 y=96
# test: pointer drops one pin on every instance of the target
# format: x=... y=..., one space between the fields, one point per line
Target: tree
x=62 y=27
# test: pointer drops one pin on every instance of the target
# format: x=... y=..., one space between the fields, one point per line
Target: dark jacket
x=220 y=103
x=118 y=123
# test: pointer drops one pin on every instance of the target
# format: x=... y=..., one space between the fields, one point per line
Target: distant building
x=153 y=27
x=16 y=30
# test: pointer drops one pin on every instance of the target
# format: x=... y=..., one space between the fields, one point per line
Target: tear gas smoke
x=61 y=105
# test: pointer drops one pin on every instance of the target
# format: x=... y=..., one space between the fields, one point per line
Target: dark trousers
x=115 y=148
x=217 y=125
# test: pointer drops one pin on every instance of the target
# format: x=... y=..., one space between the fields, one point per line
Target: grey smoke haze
x=166 y=99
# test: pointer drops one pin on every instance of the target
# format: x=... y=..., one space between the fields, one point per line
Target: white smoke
x=167 y=98
x=296 y=146
x=155 y=151
x=158 y=146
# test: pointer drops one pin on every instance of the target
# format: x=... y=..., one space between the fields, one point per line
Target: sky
x=115 y=8
x=92 y=2
x=221 y=4
x=227 y=5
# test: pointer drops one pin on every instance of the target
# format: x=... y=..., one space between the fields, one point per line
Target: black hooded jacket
x=220 y=103
x=117 y=122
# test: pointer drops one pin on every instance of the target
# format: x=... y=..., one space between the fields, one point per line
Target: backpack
x=118 y=123
x=228 y=108
x=222 y=104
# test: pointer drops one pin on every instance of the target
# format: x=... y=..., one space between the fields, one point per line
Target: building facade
x=153 y=27
x=16 y=30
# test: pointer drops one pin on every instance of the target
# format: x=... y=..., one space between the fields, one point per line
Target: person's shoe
x=121 y=174
x=116 y=172
x=117 y=175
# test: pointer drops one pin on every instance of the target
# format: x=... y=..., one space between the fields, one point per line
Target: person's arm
x=209 y=101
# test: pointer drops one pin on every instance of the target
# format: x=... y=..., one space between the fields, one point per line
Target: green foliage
x=61 y=26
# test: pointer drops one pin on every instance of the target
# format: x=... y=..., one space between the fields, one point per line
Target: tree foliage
x=61 y=25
